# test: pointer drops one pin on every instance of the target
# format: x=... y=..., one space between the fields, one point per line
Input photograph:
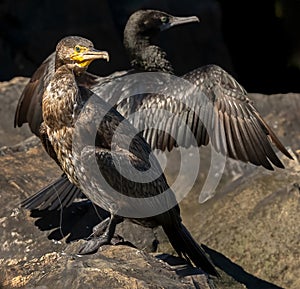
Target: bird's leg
x=94 y=244
x=99 y=229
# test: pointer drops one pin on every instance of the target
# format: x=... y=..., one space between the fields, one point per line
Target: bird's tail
x=57 y=195
x=185 y=245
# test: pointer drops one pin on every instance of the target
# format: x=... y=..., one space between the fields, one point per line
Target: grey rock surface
x=250 y=228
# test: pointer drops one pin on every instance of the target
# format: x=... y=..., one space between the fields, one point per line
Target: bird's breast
x=59 y=104
x=62 y=142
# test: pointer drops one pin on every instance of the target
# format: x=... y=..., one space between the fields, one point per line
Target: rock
x=111 y=267
x=250 y=228
x=29 y=259
x=10 y=92
x=254 y=222
x=280 y=111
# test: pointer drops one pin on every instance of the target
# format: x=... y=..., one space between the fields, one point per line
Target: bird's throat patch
x=79 y=59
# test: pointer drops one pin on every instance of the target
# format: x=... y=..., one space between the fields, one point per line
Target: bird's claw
x=91 y=246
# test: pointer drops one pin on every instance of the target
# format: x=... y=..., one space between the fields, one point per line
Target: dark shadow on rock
x=237 y=272
x=76 y=221
x=182 y=268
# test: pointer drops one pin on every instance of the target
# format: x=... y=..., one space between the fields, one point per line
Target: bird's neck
x=146 y=57
x=60 y=99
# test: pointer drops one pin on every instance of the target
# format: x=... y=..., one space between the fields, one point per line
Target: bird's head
x=77 y=53
x=151 y=22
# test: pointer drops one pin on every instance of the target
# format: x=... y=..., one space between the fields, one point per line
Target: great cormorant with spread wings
x=238 y=130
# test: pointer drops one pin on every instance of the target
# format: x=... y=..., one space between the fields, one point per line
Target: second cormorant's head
x=142 y=26
x=148 y=23
x=77 y=53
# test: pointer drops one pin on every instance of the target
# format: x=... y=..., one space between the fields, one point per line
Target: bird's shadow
x=237 y=272
x=77 y=222
x=73 y=223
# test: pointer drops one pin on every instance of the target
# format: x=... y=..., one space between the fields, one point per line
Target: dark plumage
x=63 y=101
x=221 y=112
x=139 y=30
x=238 y=130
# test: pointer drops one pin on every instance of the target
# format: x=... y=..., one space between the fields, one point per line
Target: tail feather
x=60 y=193
x=185 y=245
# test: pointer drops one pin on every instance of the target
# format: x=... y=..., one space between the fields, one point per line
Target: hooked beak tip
x=96 y=54
x=104 y=55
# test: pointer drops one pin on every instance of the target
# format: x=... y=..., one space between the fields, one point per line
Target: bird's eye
x=164 y=19
x=77 y=49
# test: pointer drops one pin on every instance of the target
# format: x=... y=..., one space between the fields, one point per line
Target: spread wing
x=217 y=110
x=29 y=108
x=220 y=112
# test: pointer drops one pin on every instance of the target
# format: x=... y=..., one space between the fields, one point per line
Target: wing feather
x=220 y=111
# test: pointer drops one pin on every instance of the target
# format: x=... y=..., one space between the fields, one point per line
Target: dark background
x=257 y=41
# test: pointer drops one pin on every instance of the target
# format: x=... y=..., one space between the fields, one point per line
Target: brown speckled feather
x=29 y=107
x=69 y=111
x=236 y=129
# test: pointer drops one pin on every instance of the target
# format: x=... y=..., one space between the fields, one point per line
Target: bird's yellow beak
x=83 y=56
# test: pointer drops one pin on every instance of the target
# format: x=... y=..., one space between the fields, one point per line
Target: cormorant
x=239 y=130
x=141 y=27
x=64 y=102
